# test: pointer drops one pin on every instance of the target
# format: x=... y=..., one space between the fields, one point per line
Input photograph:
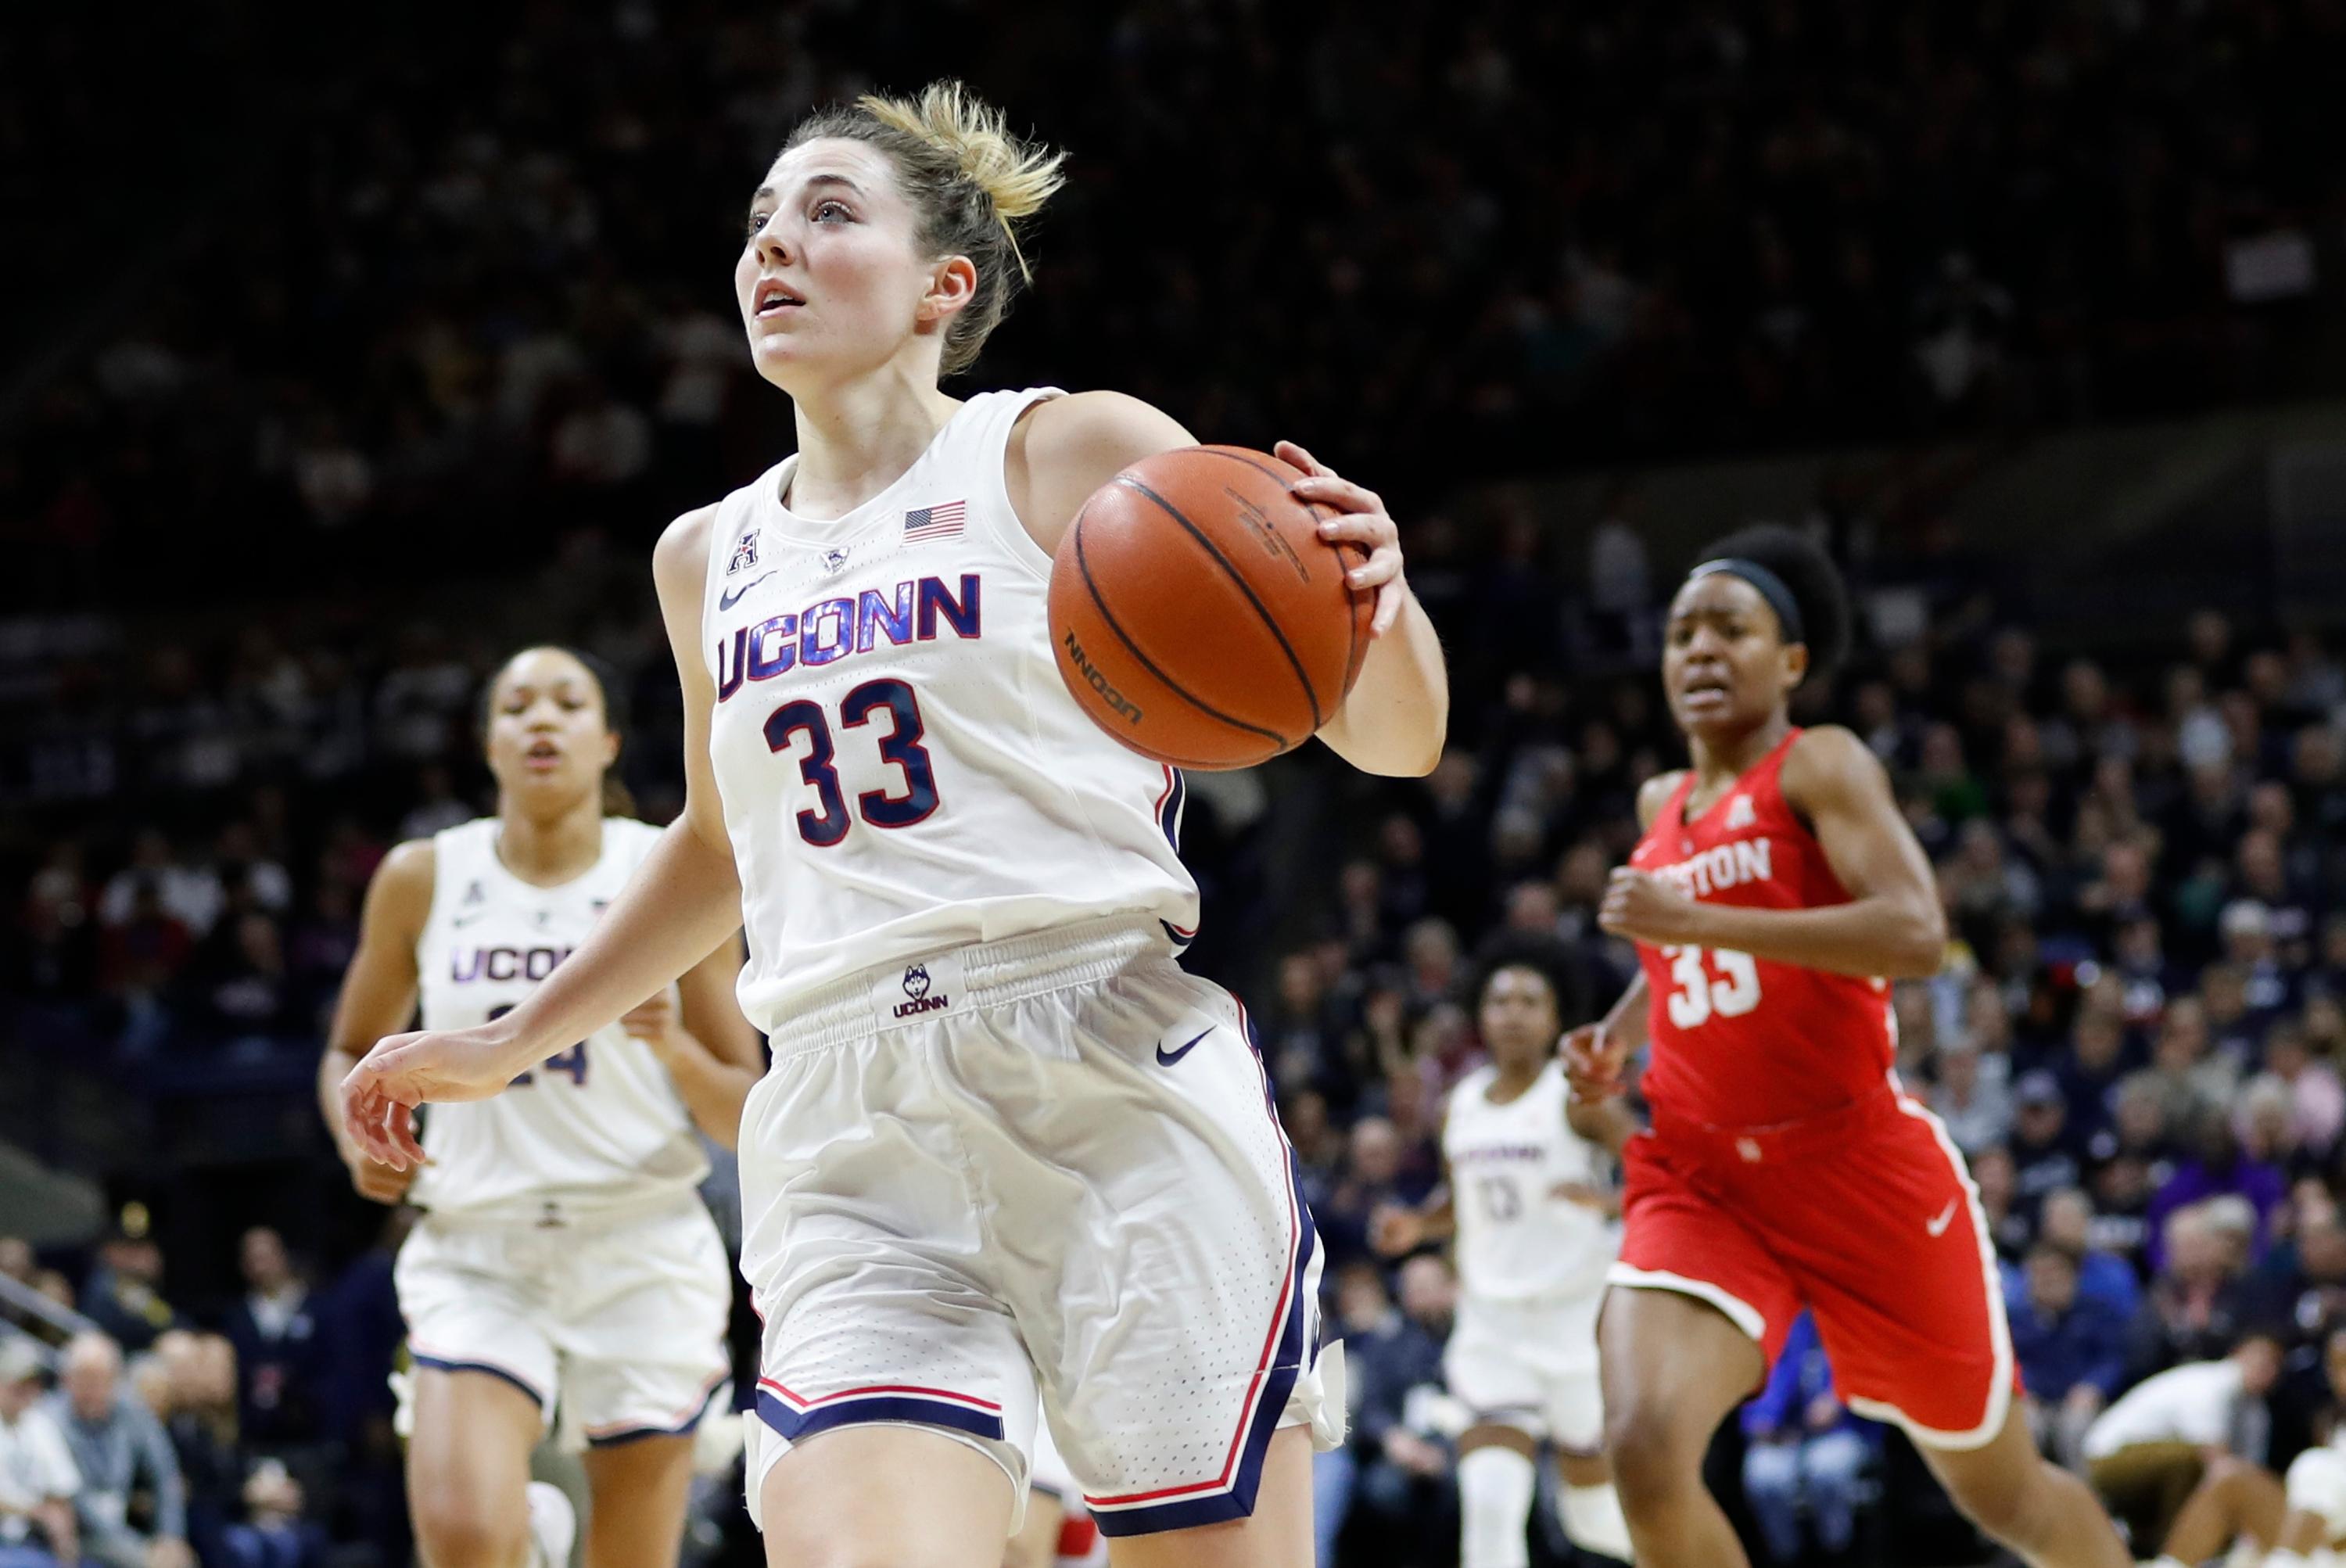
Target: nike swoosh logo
x=729 y=597
x=1947 y=1216
x=1167 y=1058
x=461 y=921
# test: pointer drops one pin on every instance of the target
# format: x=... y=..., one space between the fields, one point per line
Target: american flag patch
x=934 y=522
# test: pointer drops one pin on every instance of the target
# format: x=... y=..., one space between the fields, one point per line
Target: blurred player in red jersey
x=1775 y=893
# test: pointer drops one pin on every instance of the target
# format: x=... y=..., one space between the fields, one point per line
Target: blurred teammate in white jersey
x=565 y=1266
x=1006 y=1141
x=1528 y=1198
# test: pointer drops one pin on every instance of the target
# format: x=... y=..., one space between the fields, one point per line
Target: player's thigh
x=640 y=1489
x=1672 y=1365
x=1277 y=1534
x=468 y=1464
x=857 y=1496
x=1152 y=1244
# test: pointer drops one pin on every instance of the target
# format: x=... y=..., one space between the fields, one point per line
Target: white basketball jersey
x=598 y=1124
x=901 y=767
x=1516 y=1239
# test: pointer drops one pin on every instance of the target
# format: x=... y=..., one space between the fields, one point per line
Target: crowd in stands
x=1528 y=233
x=2136 y=1039
x=245 y=1436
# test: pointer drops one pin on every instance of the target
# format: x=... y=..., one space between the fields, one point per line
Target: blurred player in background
x=1527 y=1197
x=565 y=1265
x=1006 y=1139
x=1775 y=888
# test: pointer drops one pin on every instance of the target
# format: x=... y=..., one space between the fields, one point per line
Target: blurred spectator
x=1370 y=1181
x=2189 y=1426
x=2198 y=1303
x=2302 y=1283
x=1977 y=1112
x=2307 y=1090
x=1405 y=1482
x=38 y=1481
x=275 y=1336
x=243 y=1512
x=1992 y=1174
x=2071 y=1347
x=1806 y=1452
x=123 y=1293
x=2066 y=1221
x=2221 y=1167
x=2042 y=1158
x=132 y=1507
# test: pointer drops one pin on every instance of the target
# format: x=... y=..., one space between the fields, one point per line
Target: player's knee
x=472 y=1533
x=1653 y=1461
x=2002 y=1509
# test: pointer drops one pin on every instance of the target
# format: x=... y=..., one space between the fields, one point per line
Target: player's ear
x=953 y=283
x=1796 y=665
x=610 y=748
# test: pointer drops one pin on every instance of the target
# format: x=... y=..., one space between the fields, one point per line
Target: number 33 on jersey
x=1696 y=997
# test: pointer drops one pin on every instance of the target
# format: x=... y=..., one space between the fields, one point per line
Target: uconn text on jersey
x=841 y=627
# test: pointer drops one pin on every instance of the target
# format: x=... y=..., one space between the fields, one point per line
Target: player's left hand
x=1587 y=1196
x=1365 y=523
x=656 y=1022
x=1647 y=909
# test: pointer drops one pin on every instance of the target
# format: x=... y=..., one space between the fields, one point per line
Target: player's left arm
x=1892 y=925
x=1397 y=715
x=1607 y=1123
x=712 y=1053
x=1399 y=710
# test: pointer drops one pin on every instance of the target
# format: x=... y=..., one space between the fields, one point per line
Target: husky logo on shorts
x=916 y=987
x=745 y=553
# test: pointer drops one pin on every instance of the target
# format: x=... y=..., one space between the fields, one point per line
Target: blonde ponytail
x=972 y=181
x=1016 y=177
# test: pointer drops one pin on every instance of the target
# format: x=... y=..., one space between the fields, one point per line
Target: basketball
x=1197 y=615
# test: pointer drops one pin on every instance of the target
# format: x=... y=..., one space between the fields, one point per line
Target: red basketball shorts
x=1873 y=1223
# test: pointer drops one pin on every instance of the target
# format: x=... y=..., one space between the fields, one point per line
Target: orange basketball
x=1197 y=615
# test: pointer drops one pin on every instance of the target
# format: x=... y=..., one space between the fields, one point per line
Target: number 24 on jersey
x=1725 y=986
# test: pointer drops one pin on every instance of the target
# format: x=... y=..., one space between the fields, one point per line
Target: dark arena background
x=344 y=351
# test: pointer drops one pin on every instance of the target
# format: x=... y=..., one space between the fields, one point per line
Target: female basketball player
x=1775 y=886
x=564 y=1262
x=1005 y=1140
x=1525 y=1195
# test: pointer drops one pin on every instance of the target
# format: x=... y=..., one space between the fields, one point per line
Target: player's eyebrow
x=766 y=192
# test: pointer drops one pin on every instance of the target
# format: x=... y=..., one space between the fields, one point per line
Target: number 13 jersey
x=1746 y=1042
x=901 y=767
x=1520 y=1238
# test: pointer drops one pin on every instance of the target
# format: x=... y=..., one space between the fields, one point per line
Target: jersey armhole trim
x=440 y=882
x=1023 y=551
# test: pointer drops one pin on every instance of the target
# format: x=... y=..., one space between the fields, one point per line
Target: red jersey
x=1744 y=1042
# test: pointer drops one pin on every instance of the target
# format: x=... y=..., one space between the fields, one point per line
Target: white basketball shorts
x=1532 y=1365
x=616 y=1324
x=2317 y=1485
x=1047 y=1161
